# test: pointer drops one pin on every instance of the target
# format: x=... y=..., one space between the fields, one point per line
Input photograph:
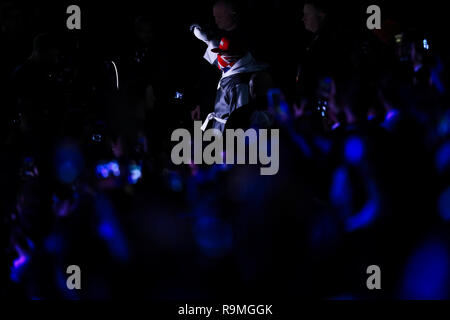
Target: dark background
x=275 y=25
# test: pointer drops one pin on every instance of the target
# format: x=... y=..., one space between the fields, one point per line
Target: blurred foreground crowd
x=364 y=124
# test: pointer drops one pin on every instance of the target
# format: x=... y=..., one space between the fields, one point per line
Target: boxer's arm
x=209 y=56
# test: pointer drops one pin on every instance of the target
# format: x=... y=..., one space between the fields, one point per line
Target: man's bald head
x=225 y=15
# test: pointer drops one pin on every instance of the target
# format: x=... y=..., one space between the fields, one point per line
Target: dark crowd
x=87 y=176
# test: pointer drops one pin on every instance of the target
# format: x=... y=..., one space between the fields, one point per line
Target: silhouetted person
x=321 y=54
x=36 y=86
x=254 y=114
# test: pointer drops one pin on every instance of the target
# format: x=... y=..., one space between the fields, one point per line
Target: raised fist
x=199 y=33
